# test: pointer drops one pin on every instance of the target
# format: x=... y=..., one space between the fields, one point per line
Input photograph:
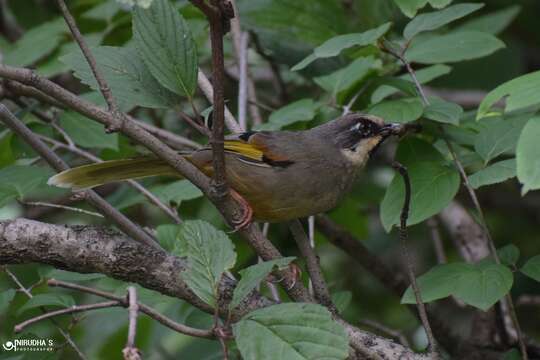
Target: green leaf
x=209 y=253
x=36 y=43
x=439 y=282
x=17 y=181
x=334 y=46
x=51 y=299
x=348 y=76
x=424 y=76
x=342 y=300
x=54 y=65
x=252 y=276
x=484 y=285
x=393 y=84
x=167 y=235
x=501 y=136
x=400 y=110
x=70 y=276
x=480 y=285
x=176 y=192
x=443 y=111
x=166 y=45
x=292 y=331
x=5 y=299
x=494 y=174
x=6 y=154
x=434 y=20
x=528 y=156
x=105 y=11
x=410 y=7
x=493 y=23
x=413 y=149
x=453 y=47
x=512 y=354
x=532 y=268
x=433 y=186
x=521 y=92
x=301 y=110
x=128 y=77
x=508 y=254
x=87 y=133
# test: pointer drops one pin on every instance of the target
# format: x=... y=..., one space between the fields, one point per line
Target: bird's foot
x=247 y=212
x=295 y=270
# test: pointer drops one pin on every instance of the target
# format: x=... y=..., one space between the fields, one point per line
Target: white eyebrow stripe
x=355 y=127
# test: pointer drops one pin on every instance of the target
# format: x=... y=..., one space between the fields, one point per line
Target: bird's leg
x=296 y=272
x=247 y=212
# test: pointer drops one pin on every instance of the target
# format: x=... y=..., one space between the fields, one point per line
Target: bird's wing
x=258 y=147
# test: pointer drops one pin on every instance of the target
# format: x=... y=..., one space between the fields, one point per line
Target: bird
x=276 y=176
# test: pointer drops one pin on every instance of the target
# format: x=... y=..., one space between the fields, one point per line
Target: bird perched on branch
x=275 y=175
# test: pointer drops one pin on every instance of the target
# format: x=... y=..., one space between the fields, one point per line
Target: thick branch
x=59 y=165
x=88 y=249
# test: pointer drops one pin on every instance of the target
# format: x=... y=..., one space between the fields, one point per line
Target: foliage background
x=288 y=32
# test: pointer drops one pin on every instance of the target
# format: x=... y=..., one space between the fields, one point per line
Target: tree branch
x=181 y=328
x=240 y=45
x=433 y=348
x=77 y=36
x=59 y=165
x=130 y=351
x=320 y=288
x=70 y=310
x=111 y=253
x=107 y=252
x=43 y=310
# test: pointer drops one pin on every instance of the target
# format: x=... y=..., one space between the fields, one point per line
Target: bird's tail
x=88 y=176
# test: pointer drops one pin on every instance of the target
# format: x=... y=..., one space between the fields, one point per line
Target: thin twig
x=433 y=225
x=311 y=237
x=18 y=89
x=531 y=300
x=313 y=267
x=69 y=310
x=63 y=207
x=203 y=130
x=472 y=194
x=492 y=248
x=217 y=19
x=208 y=91
x=269 y=284
x=171 y=324
x=279 y=83
x=241 y=55
x=58 y=164
x=65 y=334
x=77 y=36
x=130 y=351
x=242 y=84
x=412 y=278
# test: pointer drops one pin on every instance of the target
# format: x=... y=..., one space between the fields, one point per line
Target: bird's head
x=358 y=135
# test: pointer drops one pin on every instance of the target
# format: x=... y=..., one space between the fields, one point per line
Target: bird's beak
x=398 y=129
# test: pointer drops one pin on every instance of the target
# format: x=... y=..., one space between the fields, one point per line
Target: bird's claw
x=295 y=271
x=247 y=213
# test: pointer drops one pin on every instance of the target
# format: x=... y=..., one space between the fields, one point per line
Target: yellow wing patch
x=244 y=149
